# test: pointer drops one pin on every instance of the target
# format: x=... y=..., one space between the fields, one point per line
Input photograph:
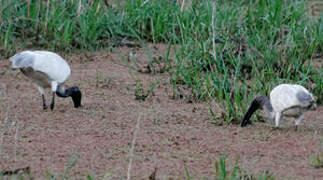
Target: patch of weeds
x=156 y=65
x=50 y=176
x=126 y=60
x=102 y=81
x=222 y=171
x=72 y=161
x=140 y=93
x=187 y=174
x=317 y=161
x=225 y=173
x=156 y=121
x=214 y=119
x=20 y=173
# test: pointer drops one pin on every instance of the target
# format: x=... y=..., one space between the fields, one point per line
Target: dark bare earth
x=172 y=133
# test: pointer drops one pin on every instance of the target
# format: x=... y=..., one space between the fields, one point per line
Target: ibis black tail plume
x=260 y=102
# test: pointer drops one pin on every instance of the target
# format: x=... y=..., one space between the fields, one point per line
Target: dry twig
x=213 y=33
x=133 y=147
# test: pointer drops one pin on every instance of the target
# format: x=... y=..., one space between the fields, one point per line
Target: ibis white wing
x=53 y=65
x=285 y=96
x=22 y=60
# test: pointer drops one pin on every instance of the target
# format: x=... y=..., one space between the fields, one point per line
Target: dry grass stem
x=47 y=12
x=28 y=11
x=213 y=33
x=79 y=8
x=183 y=5
x=16 y=139
x=133 y=147
x=282 y=36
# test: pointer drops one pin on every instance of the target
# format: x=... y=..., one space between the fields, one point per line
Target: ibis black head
x=259 y=102
x=76 y=95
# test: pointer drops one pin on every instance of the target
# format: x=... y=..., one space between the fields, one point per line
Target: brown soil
x=172 y=134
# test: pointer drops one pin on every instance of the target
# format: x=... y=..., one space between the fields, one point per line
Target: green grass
x=223 y=172
x=264 y=42
x=317 y=161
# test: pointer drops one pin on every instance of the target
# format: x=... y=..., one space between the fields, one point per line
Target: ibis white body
x=285 y=100
x=290 y=100
x=46 y=70
x=55 y=69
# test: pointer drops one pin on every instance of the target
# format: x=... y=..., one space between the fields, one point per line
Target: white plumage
x=285 y=100
x=47 y=70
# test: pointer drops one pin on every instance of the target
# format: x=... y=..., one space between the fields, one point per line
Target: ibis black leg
x=52 y=103
x=44 y=102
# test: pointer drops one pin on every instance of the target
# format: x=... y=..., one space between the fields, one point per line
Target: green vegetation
x=264 y=42
x=140 y=93
x=317 y=161
x=225 y=173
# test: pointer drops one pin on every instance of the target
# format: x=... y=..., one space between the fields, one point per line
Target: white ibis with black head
x=285 y=100
x=47 y=70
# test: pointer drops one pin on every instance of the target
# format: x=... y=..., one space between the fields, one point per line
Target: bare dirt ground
x=172 y=134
